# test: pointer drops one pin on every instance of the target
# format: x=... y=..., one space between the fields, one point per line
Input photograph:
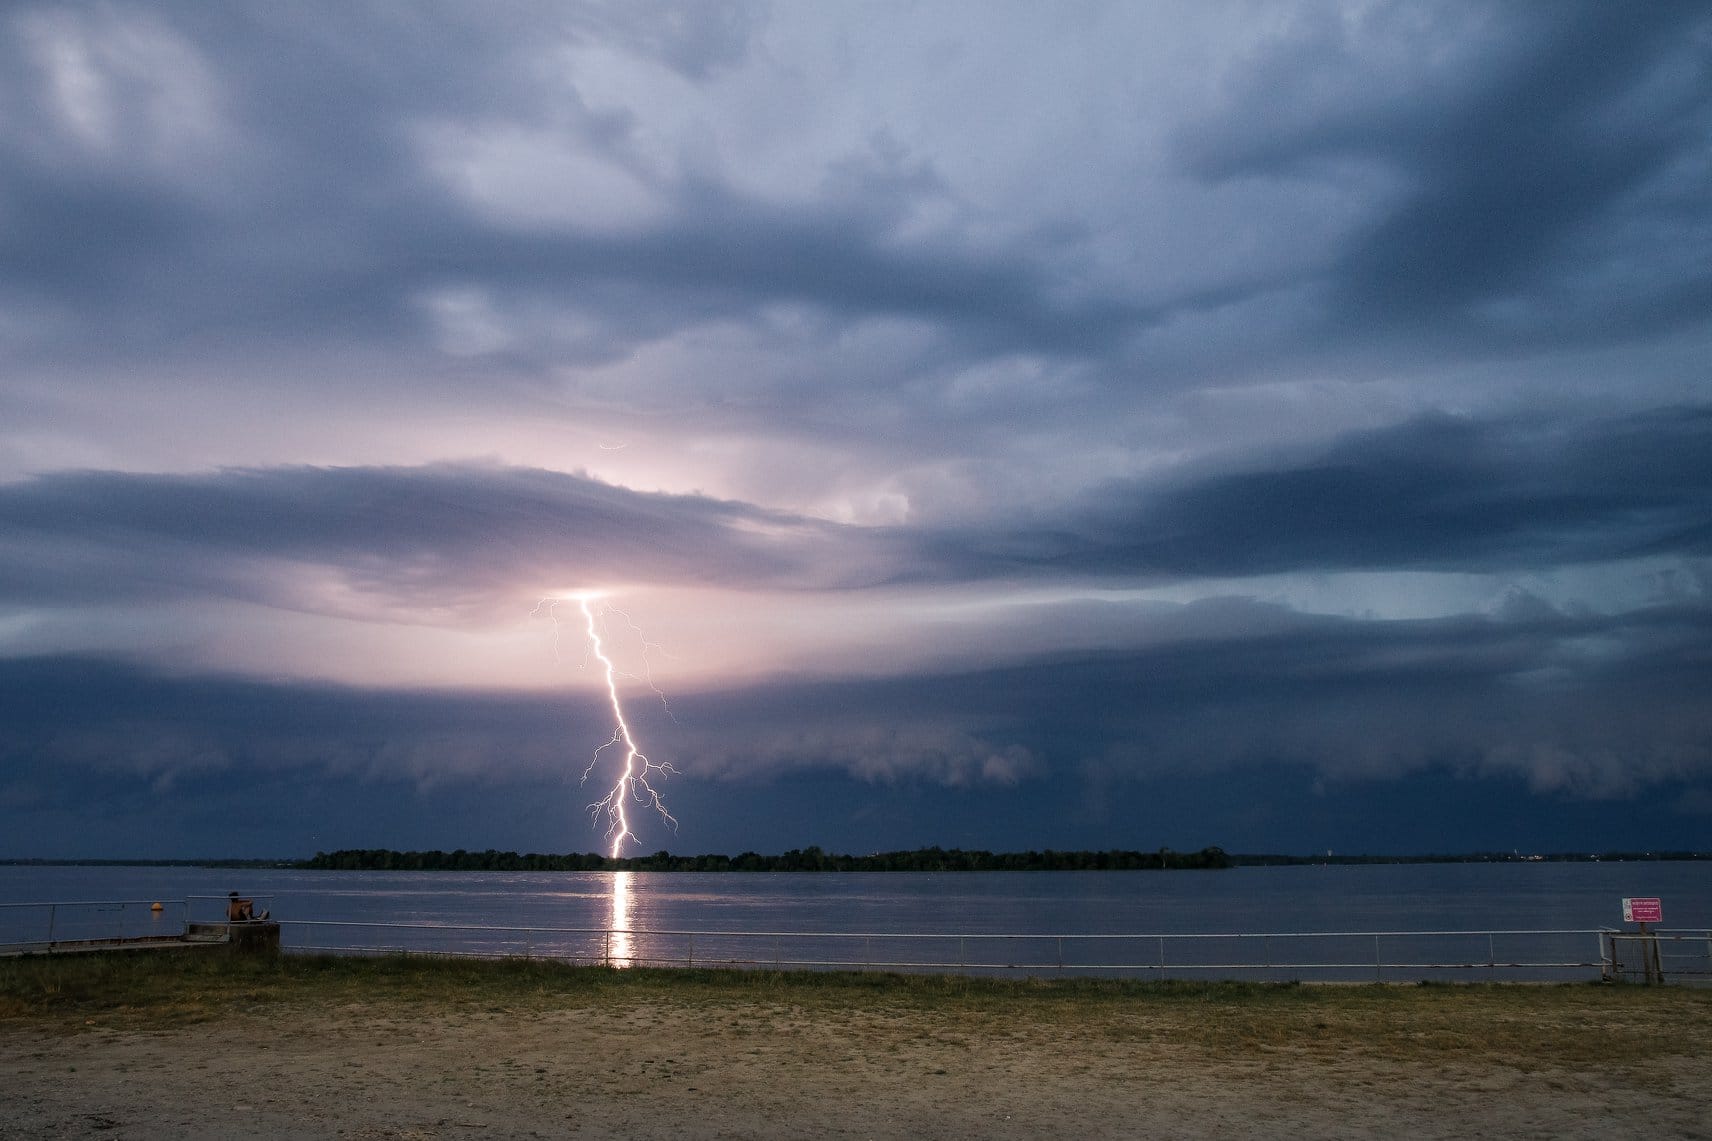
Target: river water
x=902 y=918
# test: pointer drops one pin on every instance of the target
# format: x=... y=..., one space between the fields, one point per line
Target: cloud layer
x=988 y=408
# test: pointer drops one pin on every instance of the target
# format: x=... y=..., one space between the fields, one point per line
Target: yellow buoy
x=156 y=907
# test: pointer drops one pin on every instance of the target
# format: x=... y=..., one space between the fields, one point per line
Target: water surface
x=647 y=907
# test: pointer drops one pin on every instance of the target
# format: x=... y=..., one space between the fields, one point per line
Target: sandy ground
x=736 y=1069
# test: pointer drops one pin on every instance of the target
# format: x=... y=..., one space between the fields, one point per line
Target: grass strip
x=1521 y=1025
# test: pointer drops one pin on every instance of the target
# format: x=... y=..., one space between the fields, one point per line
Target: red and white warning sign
x=1645 y=909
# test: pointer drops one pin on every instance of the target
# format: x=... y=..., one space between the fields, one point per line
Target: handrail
x=1674 y=933
x=99 y=902
x=660 y=931
x=1195 y=953
x=1346 y=954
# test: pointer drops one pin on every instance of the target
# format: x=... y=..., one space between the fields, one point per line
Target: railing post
x=1378 y=970
x=689 y=956
x=53 y=911
x=606 y=948
x=1491 y=957
x=1162 y=956
x=1061 y=954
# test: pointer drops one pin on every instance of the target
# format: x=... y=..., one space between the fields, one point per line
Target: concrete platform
x=260 y=938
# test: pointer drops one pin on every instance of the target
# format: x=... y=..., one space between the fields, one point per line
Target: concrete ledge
x=258 y=937
x=103 y=946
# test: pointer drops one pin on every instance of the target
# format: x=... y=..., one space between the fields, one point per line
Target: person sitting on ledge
x=242 y=910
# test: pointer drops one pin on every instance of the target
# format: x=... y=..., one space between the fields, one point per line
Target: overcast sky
x=1285 y=426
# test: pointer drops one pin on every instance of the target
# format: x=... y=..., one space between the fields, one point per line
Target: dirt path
x=734 y=1069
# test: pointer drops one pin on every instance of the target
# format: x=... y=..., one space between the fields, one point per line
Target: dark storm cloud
x=307 y=209
x=258 y=187
x=449 y=533
x=1517 y=153
x=1154 y=296
x=1583 y=704
x=1436 y=494
x=280 y=760
x=1448 y=494
x=1573 y=707
x=235 y=721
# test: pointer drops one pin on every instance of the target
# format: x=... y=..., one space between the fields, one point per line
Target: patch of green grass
x=1582 y=1024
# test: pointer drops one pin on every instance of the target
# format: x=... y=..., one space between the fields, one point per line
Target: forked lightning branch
x=634 y=773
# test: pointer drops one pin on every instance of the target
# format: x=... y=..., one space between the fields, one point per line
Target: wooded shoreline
x=813 y=859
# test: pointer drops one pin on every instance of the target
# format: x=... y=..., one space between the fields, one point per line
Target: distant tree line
x=813 y=859
x=810 y=859
x=1468 y=858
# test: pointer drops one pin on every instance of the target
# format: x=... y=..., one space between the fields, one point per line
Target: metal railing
x=1660 y=956
x=69 y=924
x=1328 y=956
x=1678 y=956
x=91 y=924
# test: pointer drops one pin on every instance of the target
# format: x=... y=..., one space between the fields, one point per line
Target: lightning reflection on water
x=620 y=950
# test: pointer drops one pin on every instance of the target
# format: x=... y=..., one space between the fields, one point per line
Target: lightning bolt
x=636 y=772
